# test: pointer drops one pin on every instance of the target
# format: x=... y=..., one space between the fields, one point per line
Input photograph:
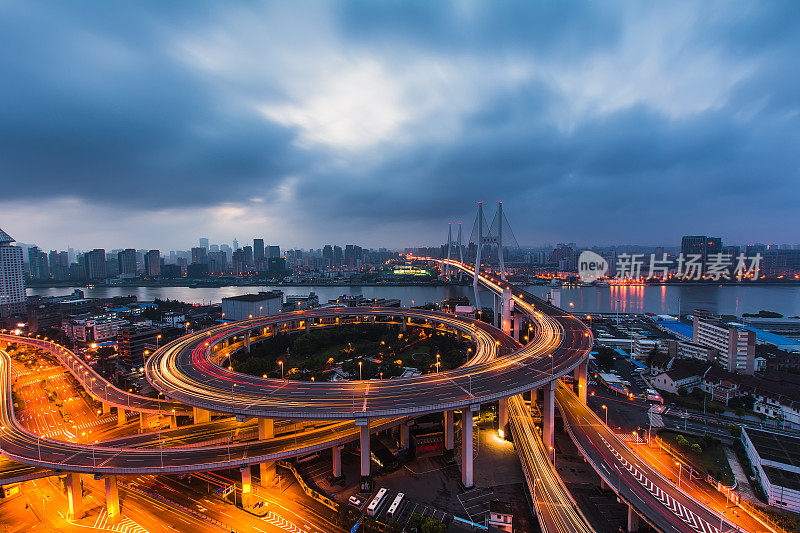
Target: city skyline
x=379 y=123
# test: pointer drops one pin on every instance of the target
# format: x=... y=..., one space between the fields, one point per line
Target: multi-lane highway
x=656 y=498
x=185 y=370
x=96 y=384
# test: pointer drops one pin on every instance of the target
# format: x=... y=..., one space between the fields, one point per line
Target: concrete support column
x=173 y=421
x=337 y=461
x=448 y=430
x=364 y=444
x=266 y=428
x=142 y=420
x=548 y=414
x=466 y=446
x=516 y=328
x=633 y=520
x=581 y=372
x=308 y=325
x=74 y=496
x=337 y=320
x=106 y=408
x=404 y=435
x=505 y=305
x=122 y=416
x=247 y=341
x=495 y=311
x=266 y=474
x=200 y=415
x=502 y=416
x=247 y=488
x=373 y=319
x=405 y=323
x=112 y=499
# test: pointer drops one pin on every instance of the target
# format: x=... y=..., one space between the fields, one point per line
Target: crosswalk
x=279 y=521
x=687 y=516
x=630 y=437
x=125 y=525
x=656 y=420
x=58 y=432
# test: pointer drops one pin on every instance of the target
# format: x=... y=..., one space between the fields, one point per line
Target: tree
x=432 y=525
x=696 y=449
x=605 y=358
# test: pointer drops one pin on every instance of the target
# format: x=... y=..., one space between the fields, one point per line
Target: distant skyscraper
x=337 y=256
x=12 y=282
x=95 y=264
x=199 y=256
x=327 y=254
x=258 y=250
x=214 y=248
x=59 y=265
x=235 y=244
x=126 y=261
x=152 y=263
x=248 y=255
x=273 y=251
x=204 y=243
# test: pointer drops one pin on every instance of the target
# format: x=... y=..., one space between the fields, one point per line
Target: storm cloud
x=149 y=124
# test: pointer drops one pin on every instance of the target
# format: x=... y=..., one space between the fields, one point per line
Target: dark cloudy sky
x=150 y=124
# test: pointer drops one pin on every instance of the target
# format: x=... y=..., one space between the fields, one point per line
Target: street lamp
x=606 y=410
x=281 y=363
x=359 y=370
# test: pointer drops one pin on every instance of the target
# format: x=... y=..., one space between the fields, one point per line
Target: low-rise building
x=775 y=459
x=252 y=305
x=501 y=516
x=92 y=327
x=133 y=341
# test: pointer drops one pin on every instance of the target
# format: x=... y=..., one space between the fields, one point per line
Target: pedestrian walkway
x=743 y=486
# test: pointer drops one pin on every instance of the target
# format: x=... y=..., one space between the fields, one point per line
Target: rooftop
x=774 y=447
x=260 y=297
x=678 y=328
x=5 y=238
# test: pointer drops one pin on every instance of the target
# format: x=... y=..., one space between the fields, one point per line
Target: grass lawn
x=712 y=460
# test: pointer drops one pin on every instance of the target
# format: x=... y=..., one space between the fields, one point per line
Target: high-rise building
x=95 y=264
x=204 y=243
x=248 y=255
x=217 y=262
x=199 y=256
x=337 y=256
x=152 y=263
x=37 y=264
x=735 y=345
x=273 y=251
x=59 y=265
x=126 y=262
x=258 y=250
x=12 y=281
x=235 y=244
x=112 y=265
x=327 y=254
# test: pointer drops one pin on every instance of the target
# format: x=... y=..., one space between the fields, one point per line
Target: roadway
x=97 y=385
x=656 y=498
x=184 y=370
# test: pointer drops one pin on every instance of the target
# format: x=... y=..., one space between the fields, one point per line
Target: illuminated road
x=661 y=502
x=96 y=384
x=555 y=508
x=185 y=371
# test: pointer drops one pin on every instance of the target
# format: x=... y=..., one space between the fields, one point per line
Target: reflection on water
x=733 y=300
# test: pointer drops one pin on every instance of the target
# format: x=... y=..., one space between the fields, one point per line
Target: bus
x=394 y=509
x=372 y=508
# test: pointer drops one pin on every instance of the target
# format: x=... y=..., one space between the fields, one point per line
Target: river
x=725 y=299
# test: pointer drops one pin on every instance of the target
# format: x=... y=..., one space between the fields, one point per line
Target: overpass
x=648 y=494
